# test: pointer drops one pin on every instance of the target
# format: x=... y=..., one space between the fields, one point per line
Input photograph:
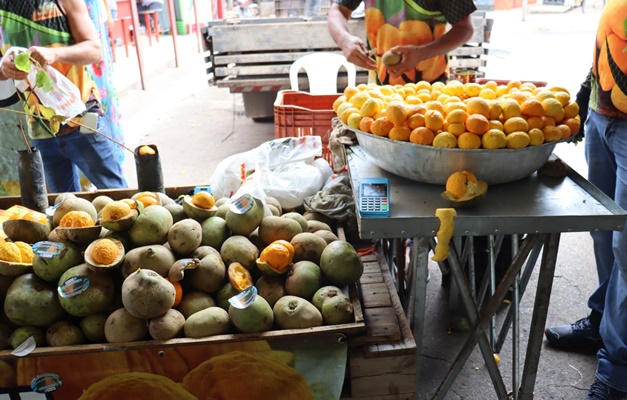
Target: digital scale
x=374 y=197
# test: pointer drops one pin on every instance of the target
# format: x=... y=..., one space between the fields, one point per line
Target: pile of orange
x=468 y=116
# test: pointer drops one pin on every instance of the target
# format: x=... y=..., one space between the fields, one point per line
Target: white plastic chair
x=322 y=70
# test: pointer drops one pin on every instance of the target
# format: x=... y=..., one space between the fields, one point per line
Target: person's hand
x=110 y=25
x=10 y=71
x=43 y=55
x=410 y=57
x=582 y=99
x=355 y=51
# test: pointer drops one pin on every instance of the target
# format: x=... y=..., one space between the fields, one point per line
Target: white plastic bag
x=63 y=97
x=286 y=169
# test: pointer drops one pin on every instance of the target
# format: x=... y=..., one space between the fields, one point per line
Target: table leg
x=538 y=319
x=481 y=322
x=418 y=293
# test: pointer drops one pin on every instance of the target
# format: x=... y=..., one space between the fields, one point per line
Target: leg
x=93 y=154
x=612 y=368
x=584 y=334
x=602 y=173
x=61 y=174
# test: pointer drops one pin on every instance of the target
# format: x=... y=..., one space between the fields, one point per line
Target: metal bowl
x=435 y=164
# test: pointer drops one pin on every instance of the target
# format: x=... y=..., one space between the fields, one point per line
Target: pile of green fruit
x=149 y=267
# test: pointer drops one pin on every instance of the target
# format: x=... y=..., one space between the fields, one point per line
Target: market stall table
x=538 y=207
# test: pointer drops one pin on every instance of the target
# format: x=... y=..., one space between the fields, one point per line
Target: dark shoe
x=600 y=391
x=582 y=335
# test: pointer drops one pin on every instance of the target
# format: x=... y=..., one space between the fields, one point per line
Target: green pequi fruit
x=151 y=226
x=340 y=263
x=257 y=317
x=146 y=294
x=32 y=301
x=303 y=279
x=245 y=219
x=292 y=312
x=79 y=301
x=155 y=257
x=239 y=249
x=50 y=269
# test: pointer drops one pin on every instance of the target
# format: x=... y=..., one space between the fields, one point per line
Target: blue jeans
x=606 y=154
x=92 y=153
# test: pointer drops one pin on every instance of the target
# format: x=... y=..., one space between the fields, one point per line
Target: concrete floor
x=195 y=126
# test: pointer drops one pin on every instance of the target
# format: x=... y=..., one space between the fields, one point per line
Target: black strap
x=9 y=101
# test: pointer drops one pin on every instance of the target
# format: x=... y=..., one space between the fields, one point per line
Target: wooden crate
x=381 y=363
x=381 y=355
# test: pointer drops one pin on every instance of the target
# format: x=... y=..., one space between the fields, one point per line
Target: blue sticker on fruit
x=48 y=249
x=203 y=189
x=45 y=383
x=73 y=286
x=242 y=204
x=244 y=298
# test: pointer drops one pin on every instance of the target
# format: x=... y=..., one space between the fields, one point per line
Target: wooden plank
x=257 y=58
x=381 y=325
x=468 y=51
x=389 y=378
x=375 y=295
x=406 y=331
x=361 y=367
x=378 y=368
x=271 y=36
x=371 y=278
x=371 y=266
x=284 y=82
x=467 y=63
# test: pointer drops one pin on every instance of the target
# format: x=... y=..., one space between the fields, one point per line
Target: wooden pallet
x=381 y=363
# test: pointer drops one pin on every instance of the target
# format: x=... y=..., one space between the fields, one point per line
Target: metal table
x=538 y=207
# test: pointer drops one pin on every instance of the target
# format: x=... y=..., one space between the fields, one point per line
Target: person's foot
x=600 y=391
x=582 y=335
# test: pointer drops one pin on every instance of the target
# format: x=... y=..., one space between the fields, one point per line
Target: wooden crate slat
x=256 y=58
x=467 y=63
x=468 y=51
x=379 y=378
x=271 y=36
x=382 y=324
x=376 y=295
x=369 y=278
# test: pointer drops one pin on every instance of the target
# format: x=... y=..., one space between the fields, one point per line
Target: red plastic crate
x=299 y=114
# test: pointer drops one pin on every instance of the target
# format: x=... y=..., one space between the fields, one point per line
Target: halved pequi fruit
x=26 y=230
x=13 y=268
x=276 y=258
x=81 y=236
x=196 y=210
x=239 y=277
x=119 y=216
x=104 y=254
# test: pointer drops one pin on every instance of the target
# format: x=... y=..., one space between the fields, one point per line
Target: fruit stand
x=536 y=207
x=357 y=359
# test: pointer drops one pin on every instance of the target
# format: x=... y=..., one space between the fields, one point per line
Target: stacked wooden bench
x=253 y=56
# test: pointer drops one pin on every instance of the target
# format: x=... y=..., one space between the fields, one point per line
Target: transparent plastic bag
x=63 y=97
x=286 y=169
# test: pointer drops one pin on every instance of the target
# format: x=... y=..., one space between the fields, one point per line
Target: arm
x=87 y=49
x=110 y=21
x=460 y=32
x=353 y=47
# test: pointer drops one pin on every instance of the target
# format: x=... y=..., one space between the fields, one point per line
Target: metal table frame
x=538 y=207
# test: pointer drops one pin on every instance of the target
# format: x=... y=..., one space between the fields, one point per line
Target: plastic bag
x=63 y=97
x=286 y=169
